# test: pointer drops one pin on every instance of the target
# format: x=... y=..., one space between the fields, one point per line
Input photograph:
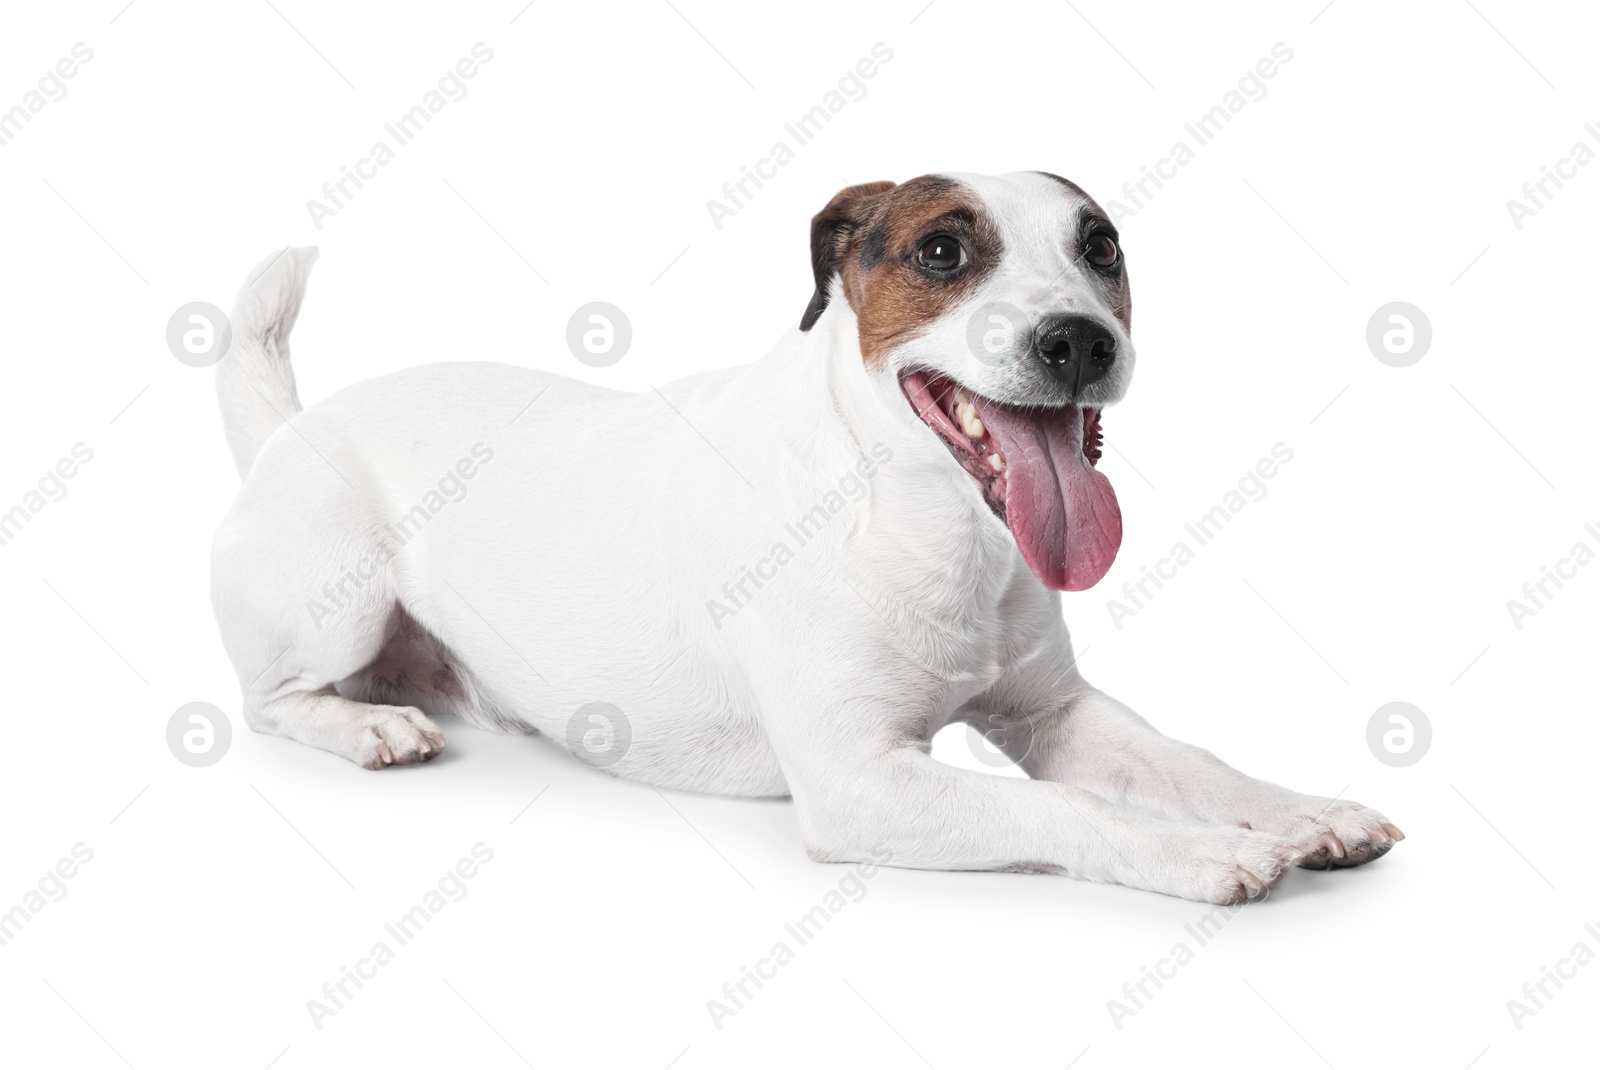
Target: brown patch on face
x=871 y=236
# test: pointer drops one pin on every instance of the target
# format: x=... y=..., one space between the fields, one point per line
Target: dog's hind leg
x=371 y=736
x=301 y=584
x=295 y=692
x=328 y=664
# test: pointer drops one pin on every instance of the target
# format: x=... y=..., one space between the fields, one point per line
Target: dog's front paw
x=1229 y=865
x=395 y=735
x=1334 y=833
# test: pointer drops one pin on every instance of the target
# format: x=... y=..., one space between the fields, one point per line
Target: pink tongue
x=1061 y=511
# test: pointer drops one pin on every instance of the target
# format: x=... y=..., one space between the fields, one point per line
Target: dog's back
x=555 y=529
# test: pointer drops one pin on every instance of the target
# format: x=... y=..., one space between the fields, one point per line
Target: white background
x=1377 y=568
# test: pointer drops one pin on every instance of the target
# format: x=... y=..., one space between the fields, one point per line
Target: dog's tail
x=255 y=384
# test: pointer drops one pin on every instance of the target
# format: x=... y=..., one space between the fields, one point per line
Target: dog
x=780 y=579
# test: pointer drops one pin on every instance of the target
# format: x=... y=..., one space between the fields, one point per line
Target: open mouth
x=1036 y=469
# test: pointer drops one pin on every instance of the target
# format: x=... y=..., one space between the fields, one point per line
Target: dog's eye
x=941 y=253
x=1101 y=250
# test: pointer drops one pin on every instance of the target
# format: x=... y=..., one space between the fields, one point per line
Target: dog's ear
x=831 y=229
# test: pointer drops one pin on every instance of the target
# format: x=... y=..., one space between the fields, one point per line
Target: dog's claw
x=397 y=735
x=1341 y=834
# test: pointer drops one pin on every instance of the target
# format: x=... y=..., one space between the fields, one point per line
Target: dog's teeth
x=997 y=462
x=961 y=397
x=968 y=417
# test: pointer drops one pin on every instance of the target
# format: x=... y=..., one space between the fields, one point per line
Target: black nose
x=1075 y=350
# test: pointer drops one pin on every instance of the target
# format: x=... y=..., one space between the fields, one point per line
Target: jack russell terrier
x=778 y=579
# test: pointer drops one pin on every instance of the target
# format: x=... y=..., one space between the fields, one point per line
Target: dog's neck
x=920 y=505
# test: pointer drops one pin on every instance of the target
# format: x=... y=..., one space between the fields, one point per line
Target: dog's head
x=1000 y=309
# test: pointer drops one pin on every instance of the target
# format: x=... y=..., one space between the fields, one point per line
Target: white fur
x=579 y=565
